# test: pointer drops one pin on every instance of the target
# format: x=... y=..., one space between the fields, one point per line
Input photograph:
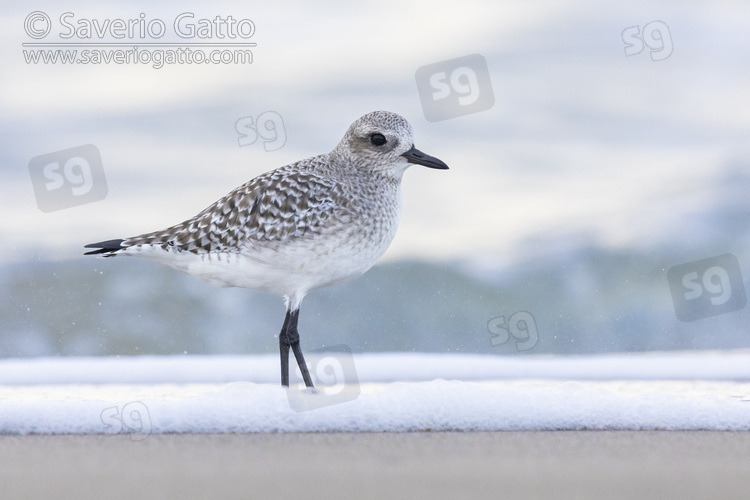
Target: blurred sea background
x=592 y=175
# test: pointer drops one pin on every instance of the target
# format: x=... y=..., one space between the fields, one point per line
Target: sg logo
x=521 y=326
x=463 y=81
x=455 y=87
x=334 y=376
x=707 y=287
x=134 y=419
x=269 y=126
x=655 y=36
x=68 y=178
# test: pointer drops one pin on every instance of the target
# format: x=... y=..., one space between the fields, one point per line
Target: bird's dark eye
x=378 y=139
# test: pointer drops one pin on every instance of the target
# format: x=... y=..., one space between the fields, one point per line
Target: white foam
x=143 y=395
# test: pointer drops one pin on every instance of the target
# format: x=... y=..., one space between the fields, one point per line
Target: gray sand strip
x=560 y=465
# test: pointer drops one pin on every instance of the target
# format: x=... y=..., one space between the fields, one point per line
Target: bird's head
x=383 y=142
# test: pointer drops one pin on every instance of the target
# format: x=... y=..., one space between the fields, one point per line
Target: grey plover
x=307 y=225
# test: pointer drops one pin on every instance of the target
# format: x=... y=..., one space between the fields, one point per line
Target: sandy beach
x=568 y=464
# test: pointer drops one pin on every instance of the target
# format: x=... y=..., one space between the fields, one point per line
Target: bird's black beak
x=416 y=156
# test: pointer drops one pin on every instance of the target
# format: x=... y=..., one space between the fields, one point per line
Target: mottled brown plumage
x=275 y=207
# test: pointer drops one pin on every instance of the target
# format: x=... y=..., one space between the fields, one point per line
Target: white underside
x=290 y=271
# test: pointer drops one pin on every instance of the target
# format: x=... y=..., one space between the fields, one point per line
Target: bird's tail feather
x=105 y=247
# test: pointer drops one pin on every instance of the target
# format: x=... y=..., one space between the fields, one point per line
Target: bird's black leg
x=289 y=337
x=284 y=351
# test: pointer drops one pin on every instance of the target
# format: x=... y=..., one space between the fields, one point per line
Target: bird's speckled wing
x=273 y=208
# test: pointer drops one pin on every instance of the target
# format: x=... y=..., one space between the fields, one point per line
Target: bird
x=310 y=224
